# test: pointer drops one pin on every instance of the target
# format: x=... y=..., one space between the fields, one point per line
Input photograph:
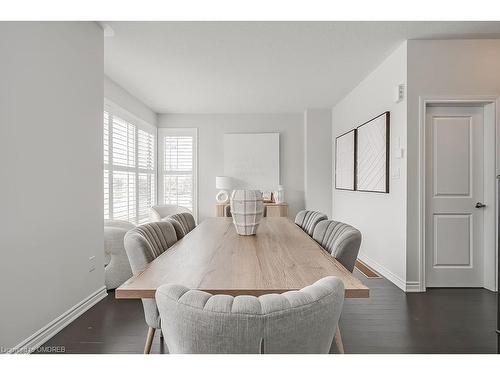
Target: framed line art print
x=345 y=161
x=372 y=155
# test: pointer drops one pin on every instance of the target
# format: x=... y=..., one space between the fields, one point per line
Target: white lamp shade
x=223 y=182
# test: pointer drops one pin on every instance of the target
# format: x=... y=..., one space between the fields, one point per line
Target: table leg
x=338 y=341
x=149 y=340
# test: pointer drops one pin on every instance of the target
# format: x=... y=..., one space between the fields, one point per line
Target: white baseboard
x=389 y=275
x=45 y=333
x=413 y=287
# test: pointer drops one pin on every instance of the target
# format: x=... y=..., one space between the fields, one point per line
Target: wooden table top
x=215 y=259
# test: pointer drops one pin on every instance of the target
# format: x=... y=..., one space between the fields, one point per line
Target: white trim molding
x=389 y=275
x=413 y=287
x=41 y=336
x=492 y=104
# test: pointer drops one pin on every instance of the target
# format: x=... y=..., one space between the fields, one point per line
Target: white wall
x=381 y=218
x=442 y=68
x=118 y=95
x=318 y=159
x=51 y=222
x=211 y=129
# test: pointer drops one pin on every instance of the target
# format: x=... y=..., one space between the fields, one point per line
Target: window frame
x=176 y=132
x=115 y=110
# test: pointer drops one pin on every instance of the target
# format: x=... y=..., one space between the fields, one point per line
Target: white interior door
x=454 y=186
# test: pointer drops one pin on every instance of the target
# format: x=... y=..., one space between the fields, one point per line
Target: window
x=177 y=162
x=129 y=168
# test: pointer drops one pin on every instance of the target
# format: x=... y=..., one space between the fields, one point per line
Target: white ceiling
x=250 y=67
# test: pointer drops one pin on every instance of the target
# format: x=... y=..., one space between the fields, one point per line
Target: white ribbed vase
x=247 y=209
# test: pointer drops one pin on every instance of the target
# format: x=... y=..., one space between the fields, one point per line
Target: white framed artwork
x=372 y=155
x=345 y=145
x=252 y=160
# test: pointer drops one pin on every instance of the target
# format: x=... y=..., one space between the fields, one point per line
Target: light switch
x=398 y=153
x=399 y=93
x=396 y=173
x=397 y=149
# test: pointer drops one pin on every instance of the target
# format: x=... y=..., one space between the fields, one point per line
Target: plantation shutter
x=106 y=165
x=146 y=177
x=129 y=169
x=178 y=171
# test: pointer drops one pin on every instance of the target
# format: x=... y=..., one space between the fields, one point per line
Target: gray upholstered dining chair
x=143 y=244
x=302 y=321
x=341 y=240
x=158 y=212
x=308 y=220
x=117 y=267
x=183 y=223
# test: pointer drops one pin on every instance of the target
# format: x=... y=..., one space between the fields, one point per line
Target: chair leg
x=149 y=340
x=338 y=341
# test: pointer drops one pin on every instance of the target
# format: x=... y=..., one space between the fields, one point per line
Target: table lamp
x=223 y=183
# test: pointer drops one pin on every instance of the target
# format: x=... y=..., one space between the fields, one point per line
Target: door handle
x=480 y=205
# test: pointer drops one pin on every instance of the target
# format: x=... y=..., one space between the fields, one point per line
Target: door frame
x=491 y=105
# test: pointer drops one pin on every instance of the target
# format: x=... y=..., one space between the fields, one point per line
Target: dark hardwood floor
x=390 y=321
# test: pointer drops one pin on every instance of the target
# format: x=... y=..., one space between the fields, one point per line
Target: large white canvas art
x=372 y=159
x=252 y=160
x=344 y=161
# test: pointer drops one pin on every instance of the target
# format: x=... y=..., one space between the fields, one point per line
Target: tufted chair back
x=117 y=269
x=157 y=213
x=302 y=321
x=114 y=231
x=339 y=239
x=183 y=223
x=307 y=220
x=143 y=244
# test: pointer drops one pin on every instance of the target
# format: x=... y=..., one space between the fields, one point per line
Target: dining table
x=213 y=258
